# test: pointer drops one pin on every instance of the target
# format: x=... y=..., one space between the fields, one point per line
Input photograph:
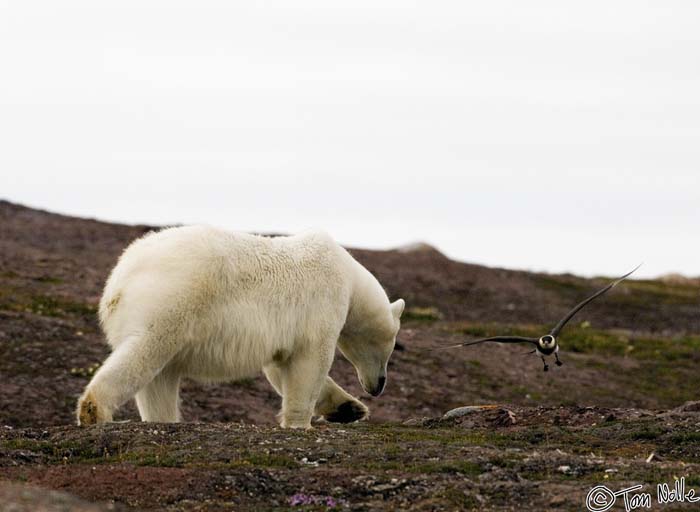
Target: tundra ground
x=624 y=393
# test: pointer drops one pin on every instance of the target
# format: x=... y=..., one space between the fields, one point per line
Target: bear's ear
x=397 y=308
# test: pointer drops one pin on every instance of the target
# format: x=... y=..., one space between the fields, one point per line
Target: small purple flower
x=301 y=499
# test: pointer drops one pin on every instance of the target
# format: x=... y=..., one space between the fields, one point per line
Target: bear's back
x=222 y=284
x=208 y=264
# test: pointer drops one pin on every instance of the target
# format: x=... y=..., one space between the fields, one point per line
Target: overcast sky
x=546 y=135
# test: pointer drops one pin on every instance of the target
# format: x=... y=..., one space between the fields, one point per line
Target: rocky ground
x=619 y=412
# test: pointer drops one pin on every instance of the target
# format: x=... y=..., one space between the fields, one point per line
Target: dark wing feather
x=555 y=332
x=497 y=339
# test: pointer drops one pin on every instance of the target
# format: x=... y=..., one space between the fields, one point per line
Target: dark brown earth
x=631 y=363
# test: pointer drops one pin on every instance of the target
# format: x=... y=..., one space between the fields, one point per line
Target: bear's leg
x=334 y=403
x=338 y=406
x=132 y=365
x=274 y=377
x=159 y=400
x=302 y=380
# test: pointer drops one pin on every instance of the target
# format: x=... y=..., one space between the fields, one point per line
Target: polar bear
x=214 y=305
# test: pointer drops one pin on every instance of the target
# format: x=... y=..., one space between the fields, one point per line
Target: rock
x=678 y=279
x=505 y=418
x=467 y=409
x=28 y=498
x=557 y=501
x=416 y=422
x=417 y=247
x=688 y=407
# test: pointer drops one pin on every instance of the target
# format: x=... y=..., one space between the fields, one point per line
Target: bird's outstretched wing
x=497 y=339
x=555 y=332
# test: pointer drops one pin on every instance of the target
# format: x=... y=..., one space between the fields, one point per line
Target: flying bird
x=547 y=345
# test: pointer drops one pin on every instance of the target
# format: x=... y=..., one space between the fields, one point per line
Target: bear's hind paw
x=348 y=412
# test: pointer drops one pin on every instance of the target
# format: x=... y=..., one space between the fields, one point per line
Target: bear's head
x=368 y=344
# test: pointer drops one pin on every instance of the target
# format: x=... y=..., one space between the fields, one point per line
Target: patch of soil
x=29 y=498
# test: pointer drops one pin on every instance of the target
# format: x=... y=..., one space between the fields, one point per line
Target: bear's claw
x=347 y=412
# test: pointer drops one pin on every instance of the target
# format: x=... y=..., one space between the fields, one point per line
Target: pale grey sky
x=546 y=135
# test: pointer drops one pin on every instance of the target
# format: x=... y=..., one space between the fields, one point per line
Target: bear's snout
x=381 y=382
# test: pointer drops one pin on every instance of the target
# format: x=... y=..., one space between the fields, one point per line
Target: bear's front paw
x=90 y=412
x=347 y=412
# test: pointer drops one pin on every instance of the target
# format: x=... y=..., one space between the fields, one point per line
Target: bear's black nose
x=380 y=385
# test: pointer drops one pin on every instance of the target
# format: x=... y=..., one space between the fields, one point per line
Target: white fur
x=214 y=305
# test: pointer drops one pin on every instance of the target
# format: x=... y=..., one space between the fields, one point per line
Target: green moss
x=560 y=284
x=266 y=461
x=685 y=437
x=17 y=299
x=582 y=339
x=640 y=292
x=421 y=314
x=464 y=467
x=654 y=292
x=57 y=451
x=49 y=279
x=646 y=433
x=460 y=499
x=51 y=306
x=160 y=459
x=692 y=481
x=493 y=329
x=405 y=463
x=391 y=433
x=87 y=372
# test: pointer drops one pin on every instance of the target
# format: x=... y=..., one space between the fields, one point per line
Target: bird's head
x=547 y=344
